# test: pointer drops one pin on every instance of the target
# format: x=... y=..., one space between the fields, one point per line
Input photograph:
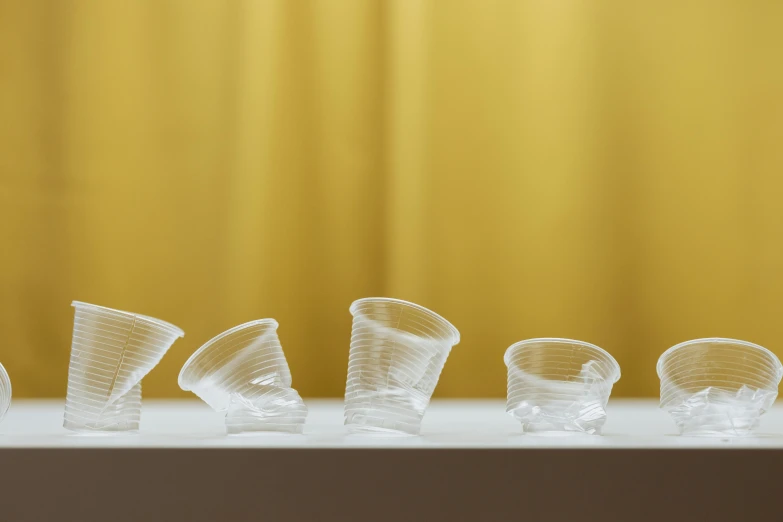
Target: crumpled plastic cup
x=5 y=392
x=111 y=353
x=717 y=386
x=559 y=385
x=244 y=373
x=398 y=350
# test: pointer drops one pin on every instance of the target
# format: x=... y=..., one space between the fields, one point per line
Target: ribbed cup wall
x=718 y=386
x=244 y=373
x=398 y=350
x=110 y=354
x=559 y=385
x=5 y=392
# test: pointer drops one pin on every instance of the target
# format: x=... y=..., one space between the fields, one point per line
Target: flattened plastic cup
x=559 y=385
x=398 y=350
x=717 y=386
x=244 y=373
x=111 y=353
x=5 y=392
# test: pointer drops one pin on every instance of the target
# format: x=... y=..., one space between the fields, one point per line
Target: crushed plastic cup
x=717 y=386
x=398 y=350
x=244 y=373
x=111 y=353
x=5 y=392
x=559 y=385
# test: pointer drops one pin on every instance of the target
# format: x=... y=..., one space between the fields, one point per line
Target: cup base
x=265 y=433
x=374 y=431
x=272 y=410
x=718 y=434
x=715 y=412
x=549 y=431
x=81 y=431
x=382 y=423
x=261 y=428
x=583 y=417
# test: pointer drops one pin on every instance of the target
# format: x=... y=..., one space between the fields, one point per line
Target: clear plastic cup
x=398 y=350
x=111 y=352
x=717 y=386
x=5 y=392
x=244 y=373
x=559 y=385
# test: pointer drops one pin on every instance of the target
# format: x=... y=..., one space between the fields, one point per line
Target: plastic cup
x=111 y=353
x=398 y=350
x=243 y=372
x=718 y=387
x=559 y=385
x=5 y=392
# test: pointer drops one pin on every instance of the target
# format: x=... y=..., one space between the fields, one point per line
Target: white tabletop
x=447 y=424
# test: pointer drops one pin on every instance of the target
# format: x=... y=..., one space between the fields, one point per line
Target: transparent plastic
x=398 y=350
x=559 y=385
x=111 y=353
x=717 y=386
x=5 y=392
x=243 y=372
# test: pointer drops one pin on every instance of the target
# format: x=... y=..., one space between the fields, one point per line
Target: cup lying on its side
x=111 y=352
x=244 y=373
x=718 y=386
x=559 y=385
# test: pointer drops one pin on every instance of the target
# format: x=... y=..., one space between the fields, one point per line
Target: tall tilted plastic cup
x=5 y=392
x=559 y=385
x=111 y=353
x=398 y=350
x=718 y=386
x=244 y=373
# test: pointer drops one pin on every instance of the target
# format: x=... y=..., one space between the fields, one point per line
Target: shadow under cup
x=398 y=350
x=718 y=386
x=559 y=385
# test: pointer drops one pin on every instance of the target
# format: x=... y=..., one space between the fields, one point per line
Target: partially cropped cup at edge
x=397 y=353
x=559 y=385
x=5 y=392
x=718 y=386
x=111 y=352
x=244 y=373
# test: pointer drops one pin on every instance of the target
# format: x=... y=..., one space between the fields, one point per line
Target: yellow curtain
x=606 y=171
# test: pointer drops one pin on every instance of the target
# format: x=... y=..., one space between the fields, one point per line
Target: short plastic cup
x=5 y=392
x=111 y=352
x=244 y=373
x=559 y=385
x=717 y=386
x=398 y=350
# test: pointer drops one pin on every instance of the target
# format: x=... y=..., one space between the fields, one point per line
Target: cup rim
x=453 y=329
x=204 y=347
x=721 y=340
x=158 y=322
x=563 y=340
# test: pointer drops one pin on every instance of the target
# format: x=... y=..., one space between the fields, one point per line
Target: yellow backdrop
x=611 y=172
